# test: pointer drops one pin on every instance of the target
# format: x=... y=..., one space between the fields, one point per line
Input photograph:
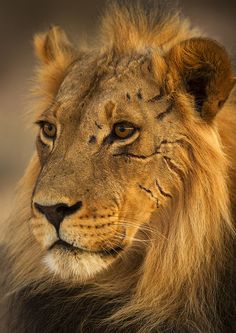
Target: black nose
x=55 y=214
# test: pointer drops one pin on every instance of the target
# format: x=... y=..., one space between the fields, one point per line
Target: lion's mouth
x=61 y=244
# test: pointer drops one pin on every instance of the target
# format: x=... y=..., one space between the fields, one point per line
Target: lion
x=124 y=220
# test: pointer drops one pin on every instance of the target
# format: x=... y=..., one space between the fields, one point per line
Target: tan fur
x=171 y=190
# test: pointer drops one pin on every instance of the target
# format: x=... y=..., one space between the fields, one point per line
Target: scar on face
x=139 y=94
x=92 y=139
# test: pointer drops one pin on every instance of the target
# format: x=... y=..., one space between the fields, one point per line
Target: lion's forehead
x=97 y=80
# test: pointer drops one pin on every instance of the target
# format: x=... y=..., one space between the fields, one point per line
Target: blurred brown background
x=19 y=20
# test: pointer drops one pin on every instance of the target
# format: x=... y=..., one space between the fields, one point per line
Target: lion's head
x=118 y=140
x=129 y=186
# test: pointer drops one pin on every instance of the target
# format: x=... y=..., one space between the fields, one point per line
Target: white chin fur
x=69 y=266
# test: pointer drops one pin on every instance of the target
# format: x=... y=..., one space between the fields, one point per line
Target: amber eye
x=49 y=130
x=124 y=130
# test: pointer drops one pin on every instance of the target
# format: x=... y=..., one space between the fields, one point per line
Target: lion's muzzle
x=75 y=227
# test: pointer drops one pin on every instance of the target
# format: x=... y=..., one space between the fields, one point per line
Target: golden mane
x=178 y=288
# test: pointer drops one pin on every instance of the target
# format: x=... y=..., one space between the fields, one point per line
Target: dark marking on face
x=108 y=140
x=128 y=96
x=162 y=115
x=147 y=190
x=157 y=97
x=139 y=94
x=165 y=194
x=98 y=126
x=92 y=139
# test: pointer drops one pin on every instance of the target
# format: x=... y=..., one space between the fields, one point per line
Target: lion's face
x=115 y=144
x=105 y=147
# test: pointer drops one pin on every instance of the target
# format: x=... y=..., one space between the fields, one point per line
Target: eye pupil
x=122 y=129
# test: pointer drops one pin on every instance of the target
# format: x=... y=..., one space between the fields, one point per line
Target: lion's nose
x=55 y=214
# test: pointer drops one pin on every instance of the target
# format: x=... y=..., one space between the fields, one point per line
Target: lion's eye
x=48 y=130
x=124 y=130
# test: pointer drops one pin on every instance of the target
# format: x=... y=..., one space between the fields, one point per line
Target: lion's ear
x=56 y=54
x=202 y=68
x=52 y=45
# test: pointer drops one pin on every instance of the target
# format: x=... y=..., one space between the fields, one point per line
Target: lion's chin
x=76 y=265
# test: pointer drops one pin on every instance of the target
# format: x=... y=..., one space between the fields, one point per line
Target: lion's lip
x=66 y=246
x=62 y=244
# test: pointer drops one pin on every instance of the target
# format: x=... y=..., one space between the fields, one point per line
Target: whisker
x=150 y=230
